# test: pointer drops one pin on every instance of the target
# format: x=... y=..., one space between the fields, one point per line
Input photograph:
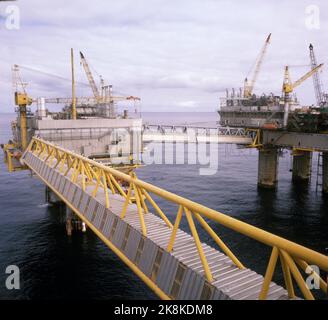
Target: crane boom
x=90 y=77
x=288 y=87
x=87 y=100
x=316 y=79
x=249 y=86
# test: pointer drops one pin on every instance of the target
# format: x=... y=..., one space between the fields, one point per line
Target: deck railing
x=84 y=171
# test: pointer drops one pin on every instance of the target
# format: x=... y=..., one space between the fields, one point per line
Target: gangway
x=195 y=134
x=173 y=263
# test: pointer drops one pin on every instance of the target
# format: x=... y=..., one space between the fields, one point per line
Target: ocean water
x=54 y=266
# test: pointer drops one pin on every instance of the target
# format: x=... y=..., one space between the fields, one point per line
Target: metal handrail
x=288 y=251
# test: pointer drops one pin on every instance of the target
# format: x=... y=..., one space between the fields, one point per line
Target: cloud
x=165 y=52
x=187 y=104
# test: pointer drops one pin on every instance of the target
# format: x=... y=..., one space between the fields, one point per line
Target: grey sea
x=55 y=266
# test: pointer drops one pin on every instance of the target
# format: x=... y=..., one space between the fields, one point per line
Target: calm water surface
x=54 y=266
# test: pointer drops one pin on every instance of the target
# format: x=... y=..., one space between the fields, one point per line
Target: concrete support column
x=302 y=166
x=325 y=172
x=268 y=167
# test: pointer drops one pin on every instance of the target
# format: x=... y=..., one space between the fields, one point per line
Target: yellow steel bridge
x=173 y=263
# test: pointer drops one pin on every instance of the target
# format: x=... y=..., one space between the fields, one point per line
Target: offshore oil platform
x=86 y=155
x=243 y=108
x=282 y=123
x=88 y=125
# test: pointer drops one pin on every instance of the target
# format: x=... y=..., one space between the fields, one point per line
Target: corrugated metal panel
x=103 y=220
x=119 y=233
x=59 y=181
x=56 y=180
x=184 y=290
x=37 y=164
x=148 y=257
x=108 y=224
x=197 y=287
x=99 y=216
x=43 y=168
x=211 y=260
x=71 y=192
x=47 y=173
x=167 y=272
x=49 y=178
x=219 y=295
x=230 y=276
x=83 y=203
x=67 y=188
x=61 y=187
x=77 y=198
x=31 y=160
x=91 y=208
x=54 y=177
x=241 y=287
x=133 y=241
x=94 y=213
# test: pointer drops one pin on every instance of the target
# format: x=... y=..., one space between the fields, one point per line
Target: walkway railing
x=85 y=172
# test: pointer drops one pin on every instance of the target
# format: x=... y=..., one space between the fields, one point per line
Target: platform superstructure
x=90 y=126
x=243 y=108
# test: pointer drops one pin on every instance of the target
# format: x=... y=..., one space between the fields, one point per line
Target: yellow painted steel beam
x=117 y=186
x=161 y=294
x=105 y=188
x=157 y=208
x=199 y=247
x=10 y=161
x=297 y=276
x=287 y=277
x=175 y=229
x=219 y=242
x=269 y=273
x=142 y=200
x=140 y=213
x=127 y=201
x=110 y=183
x=83 y=176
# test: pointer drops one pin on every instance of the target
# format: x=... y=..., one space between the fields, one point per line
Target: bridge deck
x=191 y=134
x=179 y=274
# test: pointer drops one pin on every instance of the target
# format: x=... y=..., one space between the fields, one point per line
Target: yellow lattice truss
x=84 y=171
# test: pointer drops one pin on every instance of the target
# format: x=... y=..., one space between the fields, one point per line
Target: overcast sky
x=174 y=55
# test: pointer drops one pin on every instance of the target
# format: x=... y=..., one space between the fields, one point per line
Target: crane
x=249 y=85
x=105 y=100
x=319 y=94
x=90 y=77
x=22 y=100
x=21 y=96
x=289 y=86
